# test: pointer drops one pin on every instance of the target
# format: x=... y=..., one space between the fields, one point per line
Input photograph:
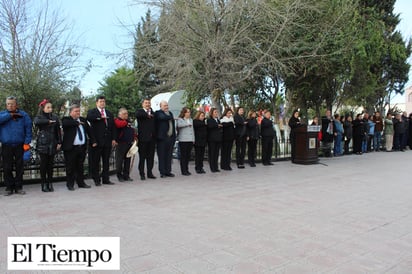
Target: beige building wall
x=408 y=99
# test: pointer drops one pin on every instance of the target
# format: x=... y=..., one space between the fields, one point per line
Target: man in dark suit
x=268 y=133
x=146 y=134
x=166 y=136
x=76 y=130
x=102 y=127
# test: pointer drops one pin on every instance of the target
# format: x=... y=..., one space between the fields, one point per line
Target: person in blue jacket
x=15 y=136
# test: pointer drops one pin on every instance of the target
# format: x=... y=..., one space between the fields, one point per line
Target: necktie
x=103 y=116
x=79 y=133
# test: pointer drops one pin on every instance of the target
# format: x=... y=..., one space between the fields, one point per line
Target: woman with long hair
x=186 y=137
x=228 y=124
x=358 y=134
x=48 y=142
x=214 y=139
x=252 y=132
x=200 y=128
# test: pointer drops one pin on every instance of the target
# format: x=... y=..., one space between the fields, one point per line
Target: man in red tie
x=147 y=138
x=102 y=126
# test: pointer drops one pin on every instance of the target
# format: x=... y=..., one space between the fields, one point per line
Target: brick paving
x=350 y=214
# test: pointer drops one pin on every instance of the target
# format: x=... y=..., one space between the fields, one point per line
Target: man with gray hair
x=166 y=136
x=15 y=136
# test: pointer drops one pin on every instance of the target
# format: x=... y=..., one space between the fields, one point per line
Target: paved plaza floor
x=350 y=214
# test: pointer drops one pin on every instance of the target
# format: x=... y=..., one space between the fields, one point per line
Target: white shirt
x=77 y=141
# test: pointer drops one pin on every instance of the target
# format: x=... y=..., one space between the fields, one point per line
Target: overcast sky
x=97 y=22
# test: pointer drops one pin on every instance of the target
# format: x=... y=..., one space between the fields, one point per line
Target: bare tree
x=37 y=57
x=213 y=48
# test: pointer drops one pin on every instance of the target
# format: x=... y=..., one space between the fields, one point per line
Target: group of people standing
x=217 y=133
x=366 y=133
x=101 y=131
x=73 y=136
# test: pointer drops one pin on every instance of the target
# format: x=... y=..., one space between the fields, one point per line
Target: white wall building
x=408 y=100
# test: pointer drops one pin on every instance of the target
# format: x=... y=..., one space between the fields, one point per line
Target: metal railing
x=32 y=167
x=281 y=151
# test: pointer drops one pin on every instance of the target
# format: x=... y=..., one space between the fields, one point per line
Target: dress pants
x=185 y=153
x=164 y=155
x=13 y=156
x=199 y=156
x=357 y=144
x=100 y=153
x=123 y=162
x=46 y=167
x=397 y=141
x=74 y=159
x=146 y=154
x=251 y=151
x=267 y=146
x=226 y=154
x=388 y=142
x=213 y=155
x=240 y=150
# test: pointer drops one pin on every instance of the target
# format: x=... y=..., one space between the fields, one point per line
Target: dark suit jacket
x=240 y=125
x=162 y=125
x=103 y=134
x=200 y=129
x=146 y=129
x=70 y=130
x=214 y=132
x=266 y=128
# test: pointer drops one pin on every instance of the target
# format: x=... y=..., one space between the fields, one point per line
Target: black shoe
x=142 y=177
x=97 y=182
x=215 y=170
x=84 y=185
x=120 y=178
x=252 y=165
x=270 y=164
x=240 y=166
x=70 y=188
x=128 y=179
x=108 y=183
x=151 y=176
x=20 y=191
x=186 y=173
x=50 y=186
x=163 y=176
x=170 y=175
x=8 y=193
x=44 y=187
x=200 y=171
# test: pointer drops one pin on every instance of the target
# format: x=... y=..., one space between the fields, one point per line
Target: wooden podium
x=306 y=145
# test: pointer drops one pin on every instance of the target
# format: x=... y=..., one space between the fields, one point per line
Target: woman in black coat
x=268 y=133
x=358 y=130
x=347 y=132
x=252 y=133
x=48 y=142
x=200 y=128
x=294 y=122
x=228 y=125
x=214 y=139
